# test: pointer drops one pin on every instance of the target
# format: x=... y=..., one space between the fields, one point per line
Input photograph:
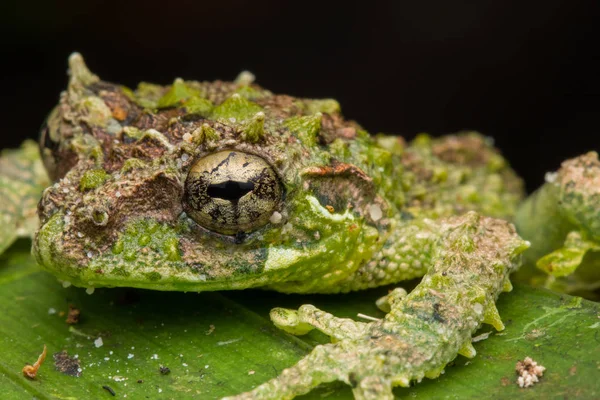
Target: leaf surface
x=218 y=344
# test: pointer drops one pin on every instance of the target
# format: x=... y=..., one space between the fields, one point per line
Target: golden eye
x=231 y=192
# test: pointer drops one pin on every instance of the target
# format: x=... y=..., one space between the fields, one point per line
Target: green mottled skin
x=358 y=211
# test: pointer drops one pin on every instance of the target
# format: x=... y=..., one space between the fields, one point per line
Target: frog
x=224 y=185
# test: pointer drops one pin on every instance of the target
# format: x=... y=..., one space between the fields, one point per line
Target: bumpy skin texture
x=353 y=205
x=133 y=204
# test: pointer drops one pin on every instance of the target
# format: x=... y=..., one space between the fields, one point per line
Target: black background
x=523 y=72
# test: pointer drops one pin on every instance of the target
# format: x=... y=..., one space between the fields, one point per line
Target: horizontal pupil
x=229 y=190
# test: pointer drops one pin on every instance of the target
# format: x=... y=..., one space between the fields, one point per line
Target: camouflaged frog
x=202 y=186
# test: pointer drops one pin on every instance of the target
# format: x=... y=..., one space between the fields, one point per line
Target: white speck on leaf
x=90 y=290
x=226 y=342
x=98 y=342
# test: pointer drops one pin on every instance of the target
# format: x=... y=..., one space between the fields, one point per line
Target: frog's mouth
x=159 y=256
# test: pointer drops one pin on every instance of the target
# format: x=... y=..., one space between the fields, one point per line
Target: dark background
x=523 y=72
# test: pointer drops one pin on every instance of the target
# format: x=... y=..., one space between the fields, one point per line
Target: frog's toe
x=309 y=317
x=385 y=303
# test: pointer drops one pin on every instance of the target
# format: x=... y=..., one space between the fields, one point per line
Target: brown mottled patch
x=505 y=381
x=65 y=364
x=573 y=370
x=73 y=315
x=333 y=126
x=469 y=150
x=218 y=91
x=415 y=163
x=159 y=120
x=145 y=150
x=279 y=106
x=121 y=107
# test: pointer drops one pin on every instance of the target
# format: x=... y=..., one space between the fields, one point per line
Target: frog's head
x=206 y=186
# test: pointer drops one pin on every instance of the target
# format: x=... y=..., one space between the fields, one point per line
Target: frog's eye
x=231 y=192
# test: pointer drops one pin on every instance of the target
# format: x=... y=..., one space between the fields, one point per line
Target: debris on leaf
x=481 y=337
x=98 y=342
x=109 y=390
x=30 y=371
x=528 y=371
x=73 y=315
x=164 y=370
x=210 y=330
x=67 y=365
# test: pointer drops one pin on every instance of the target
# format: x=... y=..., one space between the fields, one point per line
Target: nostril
x=229 y=190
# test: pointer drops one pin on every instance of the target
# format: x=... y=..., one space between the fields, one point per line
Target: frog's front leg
x=424 y=330
x=562 y=221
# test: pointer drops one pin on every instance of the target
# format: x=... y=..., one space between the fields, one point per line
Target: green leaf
x=218 y=344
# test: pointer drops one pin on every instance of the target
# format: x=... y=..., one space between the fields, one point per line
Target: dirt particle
x=67 y=365
x=164 y=370
x=573 y=370
x=505 y=381
x=73 y=315
x=30 y=371
x=210 y=330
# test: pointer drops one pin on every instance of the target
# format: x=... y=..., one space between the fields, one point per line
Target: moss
x=237 y=107
x=306 y=128
x=171 y=249
x=248 y=92
x=177 y=94
x=133 y=163
x=150 y=235
x=198 y=106
x=47 y=239
x=148 y=94
x=205 y=133
x=92 y=179
x=254 y=129
x=329 y=106
x=422 y=140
